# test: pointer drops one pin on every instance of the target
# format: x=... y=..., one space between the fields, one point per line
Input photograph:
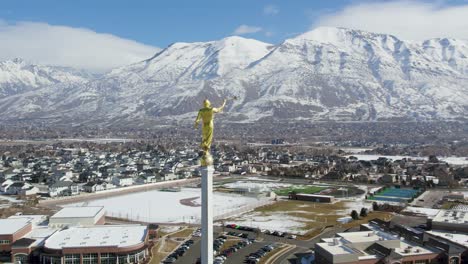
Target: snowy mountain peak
x=16 y=63
x=17 y=76
x=199 y=60
x=341 y=36
x=325 y=74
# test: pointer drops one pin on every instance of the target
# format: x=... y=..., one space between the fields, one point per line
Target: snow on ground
x=355 y=150
x=262 y=179
x=256 y=186
x=169 y=229
x=374 y=189
x=279 y=221
x=165 y=207
x=422 y=211
x=456 y=160
x=450 y=160
x=354 y=204
x=11 y=199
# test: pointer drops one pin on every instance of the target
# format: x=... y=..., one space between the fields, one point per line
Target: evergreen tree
x=375 y=206
x=363 y=212
x=354 y=215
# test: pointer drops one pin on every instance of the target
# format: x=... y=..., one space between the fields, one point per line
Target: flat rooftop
x=40 y=234
x=407 y=249
x=35 y=219
x=451 y=216
x=10 y=226
x=336 y=248
x=315 y=195
x=366 y=236
x=98 y=236
x=461 y=239
x=342 y=246
x=78 y=212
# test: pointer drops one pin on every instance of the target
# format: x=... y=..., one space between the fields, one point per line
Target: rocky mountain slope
x=17 y=76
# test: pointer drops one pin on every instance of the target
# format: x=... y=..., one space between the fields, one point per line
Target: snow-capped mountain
x=17 y=76
x=324 y=74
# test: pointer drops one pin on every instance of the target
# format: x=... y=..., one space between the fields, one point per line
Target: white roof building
x=11 y=226
x=78 y=216
x=450 y=220
x=362 y=246
x=34 y=219
x=119 y=236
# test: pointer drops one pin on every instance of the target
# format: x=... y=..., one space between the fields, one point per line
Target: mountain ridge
x=325 y=74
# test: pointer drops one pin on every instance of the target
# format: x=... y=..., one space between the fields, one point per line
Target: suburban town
x=275 y=202
x=234 y=132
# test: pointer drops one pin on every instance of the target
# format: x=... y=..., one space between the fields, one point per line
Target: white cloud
x=245 y=29
x=411 y=20
x=67 y=46
x=269 y=33
x=271 y=10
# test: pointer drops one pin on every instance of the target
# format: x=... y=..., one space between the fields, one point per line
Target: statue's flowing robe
x=206 y=115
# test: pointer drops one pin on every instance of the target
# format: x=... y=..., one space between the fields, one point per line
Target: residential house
x=91 y=187
x=63 y=188
x=122 y=181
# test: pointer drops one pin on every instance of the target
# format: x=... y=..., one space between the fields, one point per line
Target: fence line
x=116 y=192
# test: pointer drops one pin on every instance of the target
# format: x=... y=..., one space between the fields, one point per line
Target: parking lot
x=239 y=256
x=429 y=198
x=193 y=253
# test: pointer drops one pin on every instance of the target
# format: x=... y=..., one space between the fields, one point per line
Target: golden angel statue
x=206 y=115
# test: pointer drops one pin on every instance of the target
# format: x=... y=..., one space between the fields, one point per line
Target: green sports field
x=299 y=189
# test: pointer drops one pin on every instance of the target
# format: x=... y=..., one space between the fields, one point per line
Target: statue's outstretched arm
x=220 y=109
x=197 y=120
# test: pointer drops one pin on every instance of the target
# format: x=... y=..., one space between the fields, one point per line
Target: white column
x=207 y=215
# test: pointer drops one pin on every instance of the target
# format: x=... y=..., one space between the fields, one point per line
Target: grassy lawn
x=363 y=220
x=160 y=253
x=157 y=256
x=311 y=234
x=448 y=205
x=183 y=233
x=297 y=189
x=169 y=246
x=317 y=215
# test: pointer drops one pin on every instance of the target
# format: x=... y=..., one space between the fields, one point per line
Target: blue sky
x=160 y=23
x=136 y=29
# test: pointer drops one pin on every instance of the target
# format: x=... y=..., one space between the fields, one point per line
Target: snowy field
x=450 y=160
x=10 y=199
x=279 y=221
x=165 y=207
x=300 y=218
x=355 y=150
x=256 y=185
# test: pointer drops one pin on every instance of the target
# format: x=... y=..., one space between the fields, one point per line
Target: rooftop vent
x=335 y=241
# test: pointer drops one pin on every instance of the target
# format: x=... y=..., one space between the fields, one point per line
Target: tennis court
x=395 y=195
